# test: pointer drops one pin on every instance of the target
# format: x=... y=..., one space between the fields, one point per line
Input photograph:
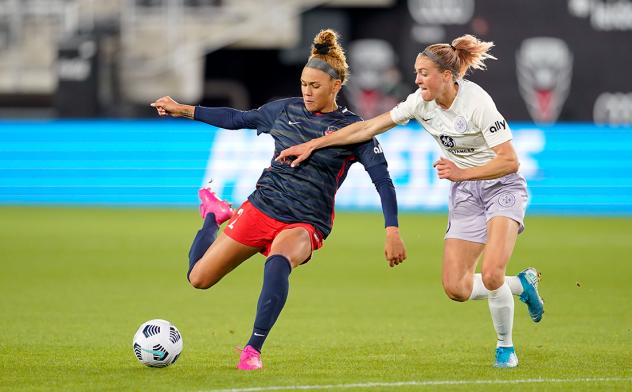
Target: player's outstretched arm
x=167 y=106
x=223 y=117
x=354 y=133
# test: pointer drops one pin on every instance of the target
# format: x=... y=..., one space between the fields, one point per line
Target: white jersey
x=467 y=131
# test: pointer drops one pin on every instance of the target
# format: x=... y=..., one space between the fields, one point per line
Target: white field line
x=425 y=383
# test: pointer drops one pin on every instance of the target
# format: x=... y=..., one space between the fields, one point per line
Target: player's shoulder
x=291 y=106
x=350 y=116
x=474 y=92
x=281 y=103
x=414 y=102
x=413 y=98
x=292 y=101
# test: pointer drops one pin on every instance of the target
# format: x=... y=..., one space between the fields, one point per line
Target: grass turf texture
x=76 y=283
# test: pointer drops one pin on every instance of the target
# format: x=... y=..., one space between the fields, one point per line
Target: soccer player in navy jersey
x=291 y=211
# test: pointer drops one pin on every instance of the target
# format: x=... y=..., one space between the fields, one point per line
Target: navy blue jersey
x=305 y=193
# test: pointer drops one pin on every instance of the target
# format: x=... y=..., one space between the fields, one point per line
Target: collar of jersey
x=320 y=114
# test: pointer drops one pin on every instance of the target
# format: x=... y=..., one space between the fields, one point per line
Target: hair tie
x=453 y=48
x=322 y=48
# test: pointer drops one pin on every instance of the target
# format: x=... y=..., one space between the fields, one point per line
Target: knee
x=493 y=279
x=199 y=282
x=456 y=292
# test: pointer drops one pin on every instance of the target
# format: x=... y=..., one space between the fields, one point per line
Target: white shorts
x=473 y=203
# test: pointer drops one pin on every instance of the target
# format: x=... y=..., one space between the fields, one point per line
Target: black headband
x=323 y=66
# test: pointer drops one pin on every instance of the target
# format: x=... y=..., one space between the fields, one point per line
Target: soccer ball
x=157 y=343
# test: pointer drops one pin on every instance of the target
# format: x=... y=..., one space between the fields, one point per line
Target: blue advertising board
x=570 y=168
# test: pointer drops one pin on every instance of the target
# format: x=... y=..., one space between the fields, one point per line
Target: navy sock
x=203 y=240
x=272 y=298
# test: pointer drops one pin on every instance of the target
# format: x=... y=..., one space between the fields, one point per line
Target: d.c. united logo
x=545 y=67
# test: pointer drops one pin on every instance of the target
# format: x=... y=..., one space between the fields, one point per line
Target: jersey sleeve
x=405 y=110
x=260 y=119
x=385 y=188
x=493 y=125
x=370 y=153
x=269 y=113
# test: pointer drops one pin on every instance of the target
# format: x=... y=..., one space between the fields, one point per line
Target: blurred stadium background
x=562 y=80
x=76 y=129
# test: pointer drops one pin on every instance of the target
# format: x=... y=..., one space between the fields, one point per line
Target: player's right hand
x=167 y=106
x=295 y=154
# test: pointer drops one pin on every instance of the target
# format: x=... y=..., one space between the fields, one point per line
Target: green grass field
x=76 y=284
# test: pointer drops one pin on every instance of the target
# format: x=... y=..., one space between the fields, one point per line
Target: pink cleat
x=250 y=359
x=210 y=203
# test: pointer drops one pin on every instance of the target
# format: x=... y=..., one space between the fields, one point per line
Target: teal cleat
x=506 y=357
x=530 y=278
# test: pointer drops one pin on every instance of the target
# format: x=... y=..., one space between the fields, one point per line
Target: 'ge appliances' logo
x=447 y=141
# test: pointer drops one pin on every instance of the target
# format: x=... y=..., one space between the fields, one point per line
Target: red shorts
x=251 y=227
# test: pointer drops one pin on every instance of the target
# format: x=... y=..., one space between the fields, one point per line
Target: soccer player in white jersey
x=487 y=196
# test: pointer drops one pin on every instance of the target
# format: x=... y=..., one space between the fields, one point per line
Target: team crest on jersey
x=330 y=129
x=460 y=124
x=506 y=199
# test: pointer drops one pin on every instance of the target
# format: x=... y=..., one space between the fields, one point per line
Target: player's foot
x=506 y=357
x=529 y=278
x=250 y=359
x=210 y=203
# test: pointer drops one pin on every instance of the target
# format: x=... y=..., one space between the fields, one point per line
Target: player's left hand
x=394 y=248
x=449 y=170
x=296 y=154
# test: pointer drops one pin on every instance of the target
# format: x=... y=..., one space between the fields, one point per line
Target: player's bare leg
x=294 y=244
x=217 y=263
x=224 y=255
x=459 y=264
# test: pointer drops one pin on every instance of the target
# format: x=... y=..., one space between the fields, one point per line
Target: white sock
x=501 y=306
x=514 y=284
x=478 y=288
x=480 y=292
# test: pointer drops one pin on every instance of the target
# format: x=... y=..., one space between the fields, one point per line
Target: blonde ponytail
x=463 y=53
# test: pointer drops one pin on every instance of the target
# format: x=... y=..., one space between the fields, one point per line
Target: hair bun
x=322 y=48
